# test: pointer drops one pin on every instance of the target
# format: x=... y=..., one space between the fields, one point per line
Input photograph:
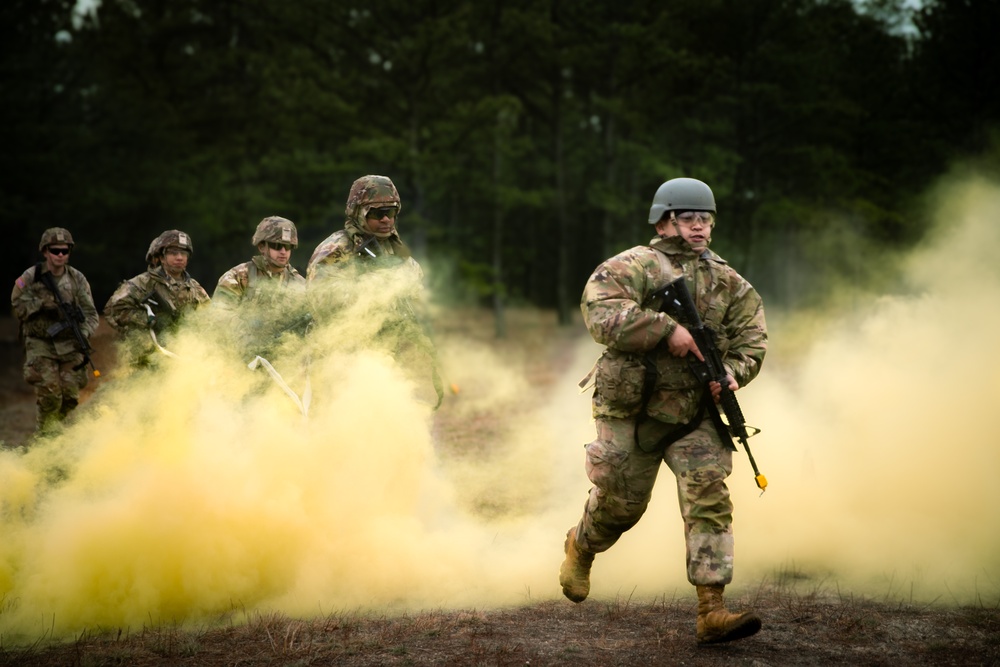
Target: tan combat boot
x=574 y=574
x=715 y=624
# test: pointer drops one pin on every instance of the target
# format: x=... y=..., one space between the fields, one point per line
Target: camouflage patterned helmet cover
x=370 y=192
x=55 y=235
x=277 y=230
x=172 y=238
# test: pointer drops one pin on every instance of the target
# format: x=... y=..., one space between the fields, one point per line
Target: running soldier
x=651 y=409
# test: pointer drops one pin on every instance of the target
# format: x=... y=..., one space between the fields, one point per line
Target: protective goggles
x=379 y=213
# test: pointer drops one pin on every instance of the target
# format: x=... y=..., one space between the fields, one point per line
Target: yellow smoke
x=880 y=447
x=196 y=490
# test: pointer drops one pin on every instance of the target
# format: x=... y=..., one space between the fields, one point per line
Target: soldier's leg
x=701 y=465
x=71 y=382
x=623 y=476
x=42 y=372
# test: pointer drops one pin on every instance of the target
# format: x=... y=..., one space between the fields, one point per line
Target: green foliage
x=526 y=138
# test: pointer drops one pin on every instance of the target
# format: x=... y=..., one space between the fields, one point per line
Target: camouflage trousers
x=623 y=476
x=57 y=385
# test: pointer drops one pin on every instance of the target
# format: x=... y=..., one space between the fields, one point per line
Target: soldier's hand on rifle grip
x=681 y=342
x=716 y=388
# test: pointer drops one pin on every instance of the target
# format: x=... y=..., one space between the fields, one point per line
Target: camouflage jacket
x=36 y=309
x=351 y=243
x=251 y=281
x=126 y=311
x=621 y=313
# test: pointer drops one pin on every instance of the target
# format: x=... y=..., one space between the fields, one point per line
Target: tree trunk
x=499 y=315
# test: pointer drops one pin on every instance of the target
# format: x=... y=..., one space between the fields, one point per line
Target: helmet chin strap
x=270 y=262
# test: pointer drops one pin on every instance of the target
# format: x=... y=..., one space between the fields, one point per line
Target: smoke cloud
x=198 y=492
x=879 y=445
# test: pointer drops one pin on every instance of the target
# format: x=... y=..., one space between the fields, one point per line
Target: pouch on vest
x=619 y=382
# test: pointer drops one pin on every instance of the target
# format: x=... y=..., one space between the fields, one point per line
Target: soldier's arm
x=613 y=311
x=85 y=300
x=124 y=309
x=28 y=298
x=746 y=333
x=228 y=291
x=201 y=297
x=327 y=259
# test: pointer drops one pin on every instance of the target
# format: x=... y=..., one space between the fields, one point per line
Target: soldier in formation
x=647 y=418
x=264 y=276
x=55 y=309
x=261 y=296
x=369 y=232
x=264 y=295
x=157 y=299
x=368 y=254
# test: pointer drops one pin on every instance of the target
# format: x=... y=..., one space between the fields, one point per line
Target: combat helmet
x=370 y=192
x=681 y=194
x=172 y=238
x=55 y=235
x=276 y=230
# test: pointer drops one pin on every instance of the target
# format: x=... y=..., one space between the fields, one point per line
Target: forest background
x=526 y=137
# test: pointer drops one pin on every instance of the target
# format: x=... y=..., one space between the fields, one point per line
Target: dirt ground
x=804 y=624
x=799 y=629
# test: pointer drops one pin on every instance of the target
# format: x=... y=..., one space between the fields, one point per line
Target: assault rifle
x=677 y=302
x=71 y=318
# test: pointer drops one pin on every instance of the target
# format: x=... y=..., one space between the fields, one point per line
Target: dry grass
x=799 y=629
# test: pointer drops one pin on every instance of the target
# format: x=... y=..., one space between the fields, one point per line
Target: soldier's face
x=278 y=253
x=56 y=256
x=175 y=261
x=695 y=229
x=381 y=220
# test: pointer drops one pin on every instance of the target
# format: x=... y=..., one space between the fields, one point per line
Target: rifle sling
x=50 y=284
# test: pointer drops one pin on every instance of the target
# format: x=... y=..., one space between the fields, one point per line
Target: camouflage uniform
x=53 y=365
x=355 y=241
x=338 y=266
x=271 y=290
x=620 y=313
x=252 y=281
x=242 y=282
x=173 y=297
